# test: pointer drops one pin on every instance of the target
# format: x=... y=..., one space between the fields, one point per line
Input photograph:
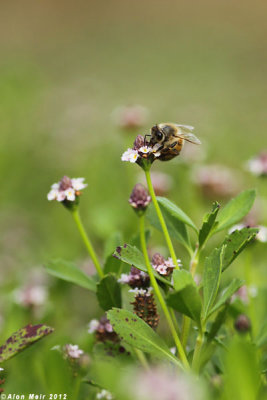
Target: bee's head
x=157 y=135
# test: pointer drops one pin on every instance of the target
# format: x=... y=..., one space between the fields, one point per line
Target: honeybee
x=168 y=139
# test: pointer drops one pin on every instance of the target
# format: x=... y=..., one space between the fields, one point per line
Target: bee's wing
x=185 y=132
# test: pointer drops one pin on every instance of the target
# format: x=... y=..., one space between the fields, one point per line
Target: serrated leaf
x=69 y=272
x=134 y=331
x=235 y=244
x=177 y=229
x=22 y=339
x=236 y=209
x=226 y=294
x=211 y=278
x=186 y=298
x=132 y=256
x=108 y=292
x=208 y=224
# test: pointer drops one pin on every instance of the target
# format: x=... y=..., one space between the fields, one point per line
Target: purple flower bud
x=65 y=183
x=139 y=198
x=242 y=324
x=158 y=259
x=139 y=142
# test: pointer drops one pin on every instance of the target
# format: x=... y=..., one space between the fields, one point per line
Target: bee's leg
x=160 y=147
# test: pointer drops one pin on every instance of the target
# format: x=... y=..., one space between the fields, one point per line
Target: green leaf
x=108 y=292
x=211 y=278
x=208 y=224
x=186 y=298
x=226 y=294
x=114 y=240
x=261 y=339
x=132 y=256
x=134 y=331
x=235 y=244
x=69 y=272
x=177 y=229
x=22 y=339
x=236 y=209
x=176 y=212
x=112 y=264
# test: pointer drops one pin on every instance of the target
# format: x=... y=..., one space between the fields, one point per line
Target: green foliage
x=242 y=374
x=67 y=271
x=208 y=224
x=235 y=243
x=134 y=331
x=235 y=210
x=108 y=292
x=112 y=264
x=114 y=240
x=211 y=278
x=176 y=227
x=186 y=298
x=176 y=212
x=22 y=339
x=133 y=256
x=226 y=294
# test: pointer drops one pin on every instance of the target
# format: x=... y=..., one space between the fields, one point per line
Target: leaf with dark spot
x=22 y=339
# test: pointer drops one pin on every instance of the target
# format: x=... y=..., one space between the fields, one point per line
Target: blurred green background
x=64 y=68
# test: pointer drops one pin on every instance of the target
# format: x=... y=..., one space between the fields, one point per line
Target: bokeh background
x=67 y=69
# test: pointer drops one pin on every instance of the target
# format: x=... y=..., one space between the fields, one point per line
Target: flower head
x=67 y=190
x=31 y=296
x=163 y=266
x=103 y=330
x=258 y=164
x=135 y=279
x=105 y=395
x=72 y=351
x=141 y=153
x=139 y=198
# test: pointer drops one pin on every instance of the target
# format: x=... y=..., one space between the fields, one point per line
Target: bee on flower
x=140 y=151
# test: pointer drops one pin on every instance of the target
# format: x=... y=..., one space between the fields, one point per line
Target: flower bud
x=139 y=198
x=242 y=324
x=139 y=142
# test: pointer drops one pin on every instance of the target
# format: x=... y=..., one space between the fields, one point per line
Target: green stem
x=87 y=242
x=186 y=320
x=196 y=356
x=161 y=219
x=159 y=295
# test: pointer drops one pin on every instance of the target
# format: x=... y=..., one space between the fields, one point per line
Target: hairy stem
x=154 y=283
x=87 y=242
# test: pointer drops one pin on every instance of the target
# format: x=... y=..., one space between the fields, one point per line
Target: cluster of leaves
x=206 y=304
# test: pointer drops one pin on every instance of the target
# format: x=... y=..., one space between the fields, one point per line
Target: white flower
x=52 y=195
x=1 y=369
x=130 y=155
x=77 y=183
x=104 y=394
x=73 y=351
x=262 y=235
x=93 y=325
x=140 y=291
x=124 y=278
x=70 y=194
x=145 y=149
x=31 y=296
x=161 y=269
x=66 y=189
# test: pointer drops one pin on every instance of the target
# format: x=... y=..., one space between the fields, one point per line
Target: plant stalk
x=161 y=219
x=154 y=283
x=87 y=242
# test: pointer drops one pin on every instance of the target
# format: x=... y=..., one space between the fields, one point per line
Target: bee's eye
x=159 y=135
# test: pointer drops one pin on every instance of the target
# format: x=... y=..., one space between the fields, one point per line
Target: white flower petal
x=77 y=183
x=52 y=195
x=70 y=194
x=130 y=155
x=61 y=196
